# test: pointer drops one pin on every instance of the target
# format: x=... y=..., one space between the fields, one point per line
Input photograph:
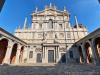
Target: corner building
x=50 y=36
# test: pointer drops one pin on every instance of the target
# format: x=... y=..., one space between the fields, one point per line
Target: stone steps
x=51 y=70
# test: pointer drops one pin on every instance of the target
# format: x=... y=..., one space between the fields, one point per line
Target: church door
x=51 y=56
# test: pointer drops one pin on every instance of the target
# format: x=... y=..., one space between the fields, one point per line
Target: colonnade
x=89 y=51
x=11 y=52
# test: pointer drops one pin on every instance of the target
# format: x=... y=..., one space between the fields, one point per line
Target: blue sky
x=15 y=11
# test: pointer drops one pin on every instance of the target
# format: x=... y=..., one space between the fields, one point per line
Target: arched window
x=50 y=24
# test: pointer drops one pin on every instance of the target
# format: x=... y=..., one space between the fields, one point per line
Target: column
x=84 y=54
x=95 y=56
x=8 y=52
x=18 y=53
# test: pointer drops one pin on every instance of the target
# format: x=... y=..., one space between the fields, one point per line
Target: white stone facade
x=50 y=32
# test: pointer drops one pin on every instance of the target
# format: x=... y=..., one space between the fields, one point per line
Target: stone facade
x=50 y=36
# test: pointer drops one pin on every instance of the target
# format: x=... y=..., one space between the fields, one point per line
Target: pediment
x=50 y=12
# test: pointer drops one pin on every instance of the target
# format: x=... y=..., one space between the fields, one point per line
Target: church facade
x=50 y=37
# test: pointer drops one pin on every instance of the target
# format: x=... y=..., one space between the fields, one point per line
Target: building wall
x=50 y=30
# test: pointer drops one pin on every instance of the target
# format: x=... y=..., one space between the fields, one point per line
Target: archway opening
x=63 y=58
x=21 y=54
x=97 y=46
x=89 y=53
x=13 y=54
x=81 y=55
x=3 y=49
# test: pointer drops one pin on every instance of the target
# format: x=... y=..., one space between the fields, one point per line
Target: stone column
x=84 y=54
x=18 y=53
x=95 y=56
x=8 y=52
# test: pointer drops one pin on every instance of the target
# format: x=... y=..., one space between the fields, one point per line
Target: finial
x=64 y=8
x=50 y=5
x=36 y=9
x=25 y=23
x=76 y=21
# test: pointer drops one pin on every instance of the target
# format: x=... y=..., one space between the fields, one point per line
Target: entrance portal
x=50 y=56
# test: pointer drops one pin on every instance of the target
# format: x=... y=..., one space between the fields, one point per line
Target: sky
x=14 y=12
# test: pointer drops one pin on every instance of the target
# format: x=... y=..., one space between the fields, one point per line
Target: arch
x=89 y=53
x=97 y=46
x=21 y=54
x=3 y=49
x=13 y=54
x=63 y=57
x=81 y=55
x=50 y=24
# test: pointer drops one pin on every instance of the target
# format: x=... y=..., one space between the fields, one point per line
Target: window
x=40 y=26
x=60 y=26
x=40 y=35
x=62 y=34
x=68 y=35
x=31 y=54
x=50 y=24
x=71 y=54
x=56 y=36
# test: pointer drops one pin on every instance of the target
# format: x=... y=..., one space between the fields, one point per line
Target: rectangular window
x=40 y=35
x=31 y=54
x=40 y=26
x=68 y=35
x=60 y=26
x=61 y=35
